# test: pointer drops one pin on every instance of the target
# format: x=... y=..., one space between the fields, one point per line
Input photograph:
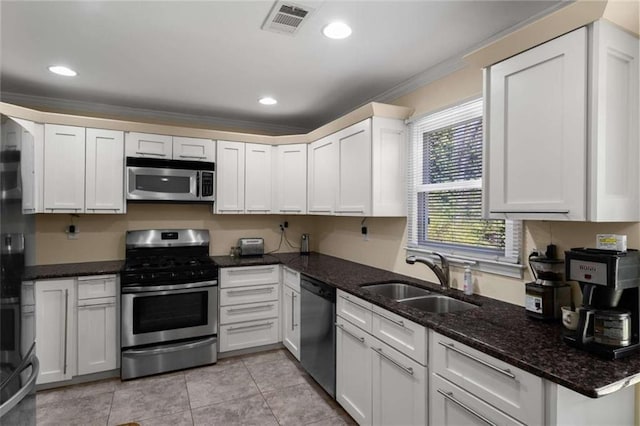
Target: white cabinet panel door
x=353 y=195
x=536 y=141
x=104 y=171
x=149 y=145
x=291 y=320
x=64 y=169
x=97 y=344
x=353 y=371
x=258 y=165
x=230 y=174
x=193 y=149
x=55 y=325
x=399 y=388
x=614 y=125
x=323 y=168
x=290 y=179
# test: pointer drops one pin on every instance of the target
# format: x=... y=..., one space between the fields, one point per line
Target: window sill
x=477 y=263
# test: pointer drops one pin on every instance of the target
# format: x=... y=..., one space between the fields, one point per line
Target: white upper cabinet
x=149 y=145
x=353 y=195
x=104 y=180
x=193 y=149
x=64 y=169
x=360 y=170
x=561 y=129
x=323 y=168
x=613 y=127
x=230 y=177
x=258 y=178
x=290 y=179
x=537 y=131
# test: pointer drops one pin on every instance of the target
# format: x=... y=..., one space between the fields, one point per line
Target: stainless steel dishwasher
x=317 y=332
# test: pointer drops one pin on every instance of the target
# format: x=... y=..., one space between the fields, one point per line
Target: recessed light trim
x=337 y=30
x=62 y=70
x=267 y=100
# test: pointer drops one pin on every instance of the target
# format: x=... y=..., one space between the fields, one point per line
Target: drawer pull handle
x=197 y=157
x=397 y=322
x=241 y=271
x=246 y=327
x=361 y=339
x=408 y=370
x=150 y=153
x=251 y=290
x=251 y=308
x=449 y=396
x=506 y=372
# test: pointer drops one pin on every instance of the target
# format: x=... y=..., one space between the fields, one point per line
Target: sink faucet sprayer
x=442 y=272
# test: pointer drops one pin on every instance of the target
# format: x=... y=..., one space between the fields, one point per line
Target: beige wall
x=101 y=237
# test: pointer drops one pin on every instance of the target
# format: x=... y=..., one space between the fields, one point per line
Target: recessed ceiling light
x=267 y=100
x=62 y=70
x=337 y=30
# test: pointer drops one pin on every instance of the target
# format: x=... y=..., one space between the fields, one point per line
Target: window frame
x=508 y=262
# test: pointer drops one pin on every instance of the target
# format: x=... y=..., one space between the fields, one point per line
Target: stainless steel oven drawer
x=163 y=358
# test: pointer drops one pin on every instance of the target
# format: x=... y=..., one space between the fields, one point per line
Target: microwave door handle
x=198 y=185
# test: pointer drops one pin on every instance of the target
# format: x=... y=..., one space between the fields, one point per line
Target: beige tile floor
x=269 y=388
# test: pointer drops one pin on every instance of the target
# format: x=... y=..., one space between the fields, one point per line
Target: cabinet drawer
x=251 y=294
x=400 y=333
x=510 y=389
x=291 y=278
x=451 y=405
x=27 y=294
x=249 y=275
x=248 y=334
x=94 y=287
x=148 y=145
x=354 y=310
x=248 y=312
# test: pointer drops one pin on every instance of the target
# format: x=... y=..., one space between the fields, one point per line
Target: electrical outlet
x=72 y=232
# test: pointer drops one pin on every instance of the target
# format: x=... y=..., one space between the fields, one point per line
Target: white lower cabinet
x=399 y=387
x=353 y=371
x=376 y=383
x=55 y=326
x=451 y=405
x=508 y=389
x=249 y=307
x=291 y=320
x=96 y=335
x=76 y=326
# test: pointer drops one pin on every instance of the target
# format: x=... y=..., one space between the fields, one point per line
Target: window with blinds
x=445 y=191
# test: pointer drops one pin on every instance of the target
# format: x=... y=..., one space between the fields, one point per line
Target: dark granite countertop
x=498 y=329
x=62 y=270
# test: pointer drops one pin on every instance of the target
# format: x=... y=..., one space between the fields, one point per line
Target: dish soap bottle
x=468 y=281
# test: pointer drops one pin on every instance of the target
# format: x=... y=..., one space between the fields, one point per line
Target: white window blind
x=445 y=193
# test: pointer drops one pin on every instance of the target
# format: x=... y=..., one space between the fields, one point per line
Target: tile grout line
x=261 y=394
x=186 y=386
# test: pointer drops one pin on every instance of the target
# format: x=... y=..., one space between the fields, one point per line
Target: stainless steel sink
x=439 y=304
x=397 y=291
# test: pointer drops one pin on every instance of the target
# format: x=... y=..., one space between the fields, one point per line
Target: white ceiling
x=211 y=59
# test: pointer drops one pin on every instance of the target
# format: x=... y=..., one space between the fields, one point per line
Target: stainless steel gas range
x=169 y=291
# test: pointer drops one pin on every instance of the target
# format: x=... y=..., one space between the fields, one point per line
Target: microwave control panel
x=207 y=184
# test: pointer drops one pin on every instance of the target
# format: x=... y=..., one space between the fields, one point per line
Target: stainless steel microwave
x=150 y=179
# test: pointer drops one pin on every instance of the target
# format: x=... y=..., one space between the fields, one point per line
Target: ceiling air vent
x=286 y=18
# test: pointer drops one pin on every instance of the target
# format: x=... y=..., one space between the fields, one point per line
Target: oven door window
x=170 y=312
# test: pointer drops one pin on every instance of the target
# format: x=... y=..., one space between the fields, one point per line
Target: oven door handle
x=171 y=348
x=144 y=289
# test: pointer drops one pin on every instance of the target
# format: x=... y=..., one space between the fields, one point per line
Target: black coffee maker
x=609 y=319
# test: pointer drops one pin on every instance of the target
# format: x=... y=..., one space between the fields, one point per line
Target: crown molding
x=457 y=62
x=129 y=113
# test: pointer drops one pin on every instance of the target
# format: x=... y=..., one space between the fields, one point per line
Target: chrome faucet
x=442 y=272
